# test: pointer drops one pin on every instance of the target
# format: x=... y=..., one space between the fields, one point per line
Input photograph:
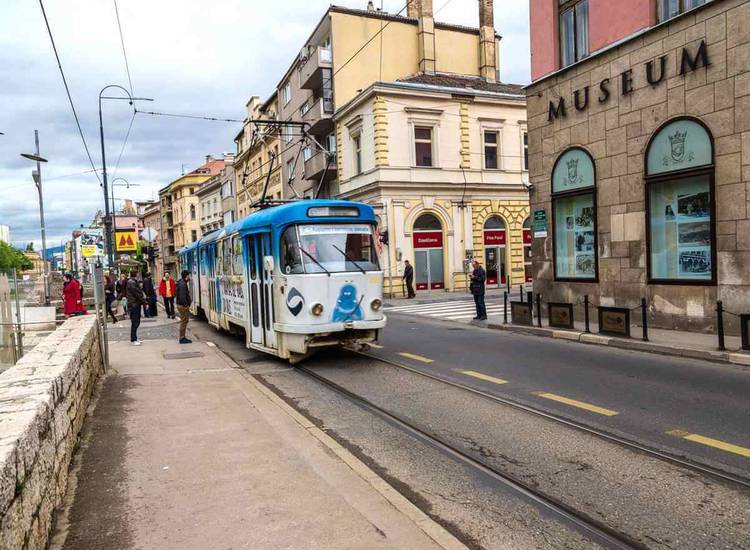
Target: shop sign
x=494 y=237
x=655 y=71
x=614 y=321
x=126 y=241
x=560 y=315
x=520 y=313
x=540 y=223
x=527 y=237
x=428 y=239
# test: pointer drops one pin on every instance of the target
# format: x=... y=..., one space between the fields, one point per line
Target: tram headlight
x=376 y=304
x=316 y=309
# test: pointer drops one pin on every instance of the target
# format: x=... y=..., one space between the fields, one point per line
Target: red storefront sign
x=428 y=239
x=527 y=237
x=494 y=237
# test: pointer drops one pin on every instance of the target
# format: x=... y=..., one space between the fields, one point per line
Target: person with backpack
x=136 y=299
x=183 y=305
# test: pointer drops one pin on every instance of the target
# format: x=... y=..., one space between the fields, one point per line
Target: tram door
x=254 y=289
x=267 y=290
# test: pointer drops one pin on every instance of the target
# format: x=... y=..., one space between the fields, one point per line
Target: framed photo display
x=680 y=204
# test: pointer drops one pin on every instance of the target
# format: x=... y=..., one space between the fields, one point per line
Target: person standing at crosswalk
x=409 y=279
x=478 y=277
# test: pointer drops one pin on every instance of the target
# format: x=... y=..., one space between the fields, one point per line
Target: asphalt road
x=693 y=408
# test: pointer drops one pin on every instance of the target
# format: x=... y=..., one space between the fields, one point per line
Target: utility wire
x=124 y=53
x=197 y=117
x=124 y=142
x=67 y=91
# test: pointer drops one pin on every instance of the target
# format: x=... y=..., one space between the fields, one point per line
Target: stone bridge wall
x=43 y=402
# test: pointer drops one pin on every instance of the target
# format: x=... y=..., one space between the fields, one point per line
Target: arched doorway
x=428 y=253
x=494 y=251
x=527 y=250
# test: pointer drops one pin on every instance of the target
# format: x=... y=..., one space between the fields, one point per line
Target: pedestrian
x=167 y=291
x=478 y=277
x=121 y=289
x=110 y=296
x=409 y=279
x=183 y=305
x=72 y=301
x=150 y=292
x=135 y=300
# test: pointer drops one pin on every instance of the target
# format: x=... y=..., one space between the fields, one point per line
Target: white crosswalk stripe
x=457 y=310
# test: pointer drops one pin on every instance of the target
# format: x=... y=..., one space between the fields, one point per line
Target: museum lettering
x=655 y=71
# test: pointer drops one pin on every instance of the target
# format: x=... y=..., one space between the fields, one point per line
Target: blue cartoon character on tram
x=347 y=306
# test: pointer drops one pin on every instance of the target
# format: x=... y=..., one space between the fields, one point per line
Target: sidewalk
x=186 y=450
x=671 y=342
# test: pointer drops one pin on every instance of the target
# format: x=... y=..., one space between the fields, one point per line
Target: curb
x=425 y=523
x=731 y=357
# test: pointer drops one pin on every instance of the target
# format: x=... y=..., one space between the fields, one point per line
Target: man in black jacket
x=183 y=300
x=136 y=299
x=149 y=308
x=409 y=279
x=478 y=277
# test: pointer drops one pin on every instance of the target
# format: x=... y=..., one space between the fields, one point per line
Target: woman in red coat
x=72 y=302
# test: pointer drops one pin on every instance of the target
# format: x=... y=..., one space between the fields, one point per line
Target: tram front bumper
x=329 y=327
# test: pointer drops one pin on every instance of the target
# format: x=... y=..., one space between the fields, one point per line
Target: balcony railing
x=311 y=73
x=315 y=166
x=318 y=115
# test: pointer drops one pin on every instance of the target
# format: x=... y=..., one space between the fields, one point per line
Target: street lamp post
x=108 y=226
x=37 y=176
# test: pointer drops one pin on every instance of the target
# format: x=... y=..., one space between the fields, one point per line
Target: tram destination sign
x=655 y=71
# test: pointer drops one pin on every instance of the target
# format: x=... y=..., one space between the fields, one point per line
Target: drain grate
x=184 y=355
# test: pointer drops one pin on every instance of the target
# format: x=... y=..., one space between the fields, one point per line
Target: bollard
x=720 y=324
x=644 y=319
x=539 y=310
x=586 y=313
x=530 y=300
x=520 y=292
x=505 y=308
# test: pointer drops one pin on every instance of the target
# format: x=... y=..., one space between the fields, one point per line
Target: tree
x=11 y=257
x=30 y=247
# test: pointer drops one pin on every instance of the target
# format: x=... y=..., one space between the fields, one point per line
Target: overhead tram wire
x=67 y=91
x=124 y=143
x=124 y=52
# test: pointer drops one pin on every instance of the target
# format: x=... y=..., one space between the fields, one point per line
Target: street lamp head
x=35 y=158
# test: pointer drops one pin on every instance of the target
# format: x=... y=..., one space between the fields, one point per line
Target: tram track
x=692 y=466
x=595 y=530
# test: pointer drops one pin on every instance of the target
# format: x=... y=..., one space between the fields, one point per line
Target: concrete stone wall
x=616 y=132
x=43 y=402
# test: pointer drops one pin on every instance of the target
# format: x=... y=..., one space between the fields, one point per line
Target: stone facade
x=43 y=402
x=616 y=132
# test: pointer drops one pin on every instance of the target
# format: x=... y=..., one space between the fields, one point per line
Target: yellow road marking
x=376 y=346
x=485 y=377
x=574 y=403
x=416 y=357
x=723 y=445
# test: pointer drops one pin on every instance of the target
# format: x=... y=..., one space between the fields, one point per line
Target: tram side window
x=219 y=259
x=227 y=250
x=237 y=255
x=291 y=261
x=251 y=258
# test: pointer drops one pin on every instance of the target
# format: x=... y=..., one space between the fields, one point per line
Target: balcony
x=318 y=116
x=316 y=165
x=311 y=73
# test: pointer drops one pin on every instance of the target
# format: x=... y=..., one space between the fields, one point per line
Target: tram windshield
x=328 y=248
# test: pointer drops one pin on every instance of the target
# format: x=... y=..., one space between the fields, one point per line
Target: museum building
x=639 y=156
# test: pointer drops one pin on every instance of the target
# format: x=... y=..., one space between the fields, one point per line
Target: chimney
x=487 y=47
x=412 y=9
x=426 y=37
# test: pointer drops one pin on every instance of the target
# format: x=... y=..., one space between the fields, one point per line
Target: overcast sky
x=192 y=56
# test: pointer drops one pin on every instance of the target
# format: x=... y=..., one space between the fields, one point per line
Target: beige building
x=258 y=153
x=209 y=205
x=441 y=158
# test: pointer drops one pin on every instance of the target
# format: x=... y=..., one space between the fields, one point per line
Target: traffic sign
x=148 y=234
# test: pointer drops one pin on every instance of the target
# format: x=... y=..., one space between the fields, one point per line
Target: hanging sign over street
x=126 y=241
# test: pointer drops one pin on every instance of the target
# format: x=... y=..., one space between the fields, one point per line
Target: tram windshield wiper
x=349 y=258
x=306 y=253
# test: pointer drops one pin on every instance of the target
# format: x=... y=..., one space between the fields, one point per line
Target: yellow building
x=257 y=145
x=186 y=221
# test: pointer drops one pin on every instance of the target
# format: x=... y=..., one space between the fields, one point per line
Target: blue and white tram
x=295 y=277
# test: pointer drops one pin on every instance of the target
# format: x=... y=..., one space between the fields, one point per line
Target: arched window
x=680 y=204
x=494 y=222
x=574 y=216
x=427 y=222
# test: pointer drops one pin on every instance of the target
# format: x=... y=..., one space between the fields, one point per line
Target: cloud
x=192 y=56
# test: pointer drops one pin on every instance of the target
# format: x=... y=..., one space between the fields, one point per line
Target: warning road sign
x=126 y=241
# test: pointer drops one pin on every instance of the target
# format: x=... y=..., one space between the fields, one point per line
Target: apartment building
x=168 y=257
x=209 y=205
x=639 y=157
x=258 y=153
